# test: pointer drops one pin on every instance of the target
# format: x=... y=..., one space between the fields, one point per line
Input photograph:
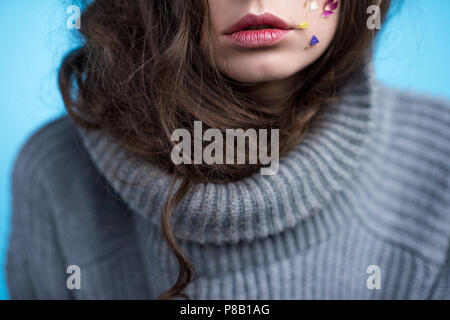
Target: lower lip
x=257 y=38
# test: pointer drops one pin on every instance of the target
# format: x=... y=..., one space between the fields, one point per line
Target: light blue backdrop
x=414 y=54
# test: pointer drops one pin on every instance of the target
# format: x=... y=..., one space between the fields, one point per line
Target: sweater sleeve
x=441 y=287
x=35 y=267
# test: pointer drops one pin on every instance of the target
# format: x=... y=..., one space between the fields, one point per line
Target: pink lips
x=272 y=30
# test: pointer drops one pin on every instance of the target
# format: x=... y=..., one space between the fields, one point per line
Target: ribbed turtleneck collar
x=257 y=206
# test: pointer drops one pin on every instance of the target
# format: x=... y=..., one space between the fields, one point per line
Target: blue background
x=413 y=53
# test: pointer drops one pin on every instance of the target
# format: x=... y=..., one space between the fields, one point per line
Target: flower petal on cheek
x=326 y=14
x=314 y=41
x=331 y=5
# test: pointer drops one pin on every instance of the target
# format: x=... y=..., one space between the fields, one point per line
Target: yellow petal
x=303 y=26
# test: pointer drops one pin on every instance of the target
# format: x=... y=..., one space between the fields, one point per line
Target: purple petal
x=314 y=41
x=331 y=5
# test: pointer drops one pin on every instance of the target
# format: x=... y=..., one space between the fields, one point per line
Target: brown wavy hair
x=143 y=71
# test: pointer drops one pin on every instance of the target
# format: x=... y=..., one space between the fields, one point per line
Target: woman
x=357 y=208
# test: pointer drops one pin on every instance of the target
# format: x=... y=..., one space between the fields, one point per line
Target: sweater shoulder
x=430 y=114
x=49 y=164
x=44 y=150
x=417 y=98
x=86 y=212
x=419 y=126
x=410 y=171
x=55 y=158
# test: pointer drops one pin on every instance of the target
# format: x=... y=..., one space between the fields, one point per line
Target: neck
x=273 y=96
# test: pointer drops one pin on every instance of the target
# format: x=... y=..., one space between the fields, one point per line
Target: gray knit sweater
x=359 y=210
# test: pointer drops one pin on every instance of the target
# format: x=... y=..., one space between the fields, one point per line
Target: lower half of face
x=269 y=40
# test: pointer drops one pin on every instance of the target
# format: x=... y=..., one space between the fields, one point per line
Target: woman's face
x=278 y=49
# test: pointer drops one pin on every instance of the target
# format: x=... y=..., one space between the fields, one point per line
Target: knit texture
x=368 y=186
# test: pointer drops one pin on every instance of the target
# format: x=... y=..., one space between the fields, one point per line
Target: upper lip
x=253 y=20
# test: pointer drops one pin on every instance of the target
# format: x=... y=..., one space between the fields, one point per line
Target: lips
x=255 y=31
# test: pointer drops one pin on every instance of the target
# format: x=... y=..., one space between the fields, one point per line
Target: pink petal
x=327 y=14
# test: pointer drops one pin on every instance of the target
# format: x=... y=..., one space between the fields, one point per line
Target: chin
x=259 y=68
x=259 y=77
